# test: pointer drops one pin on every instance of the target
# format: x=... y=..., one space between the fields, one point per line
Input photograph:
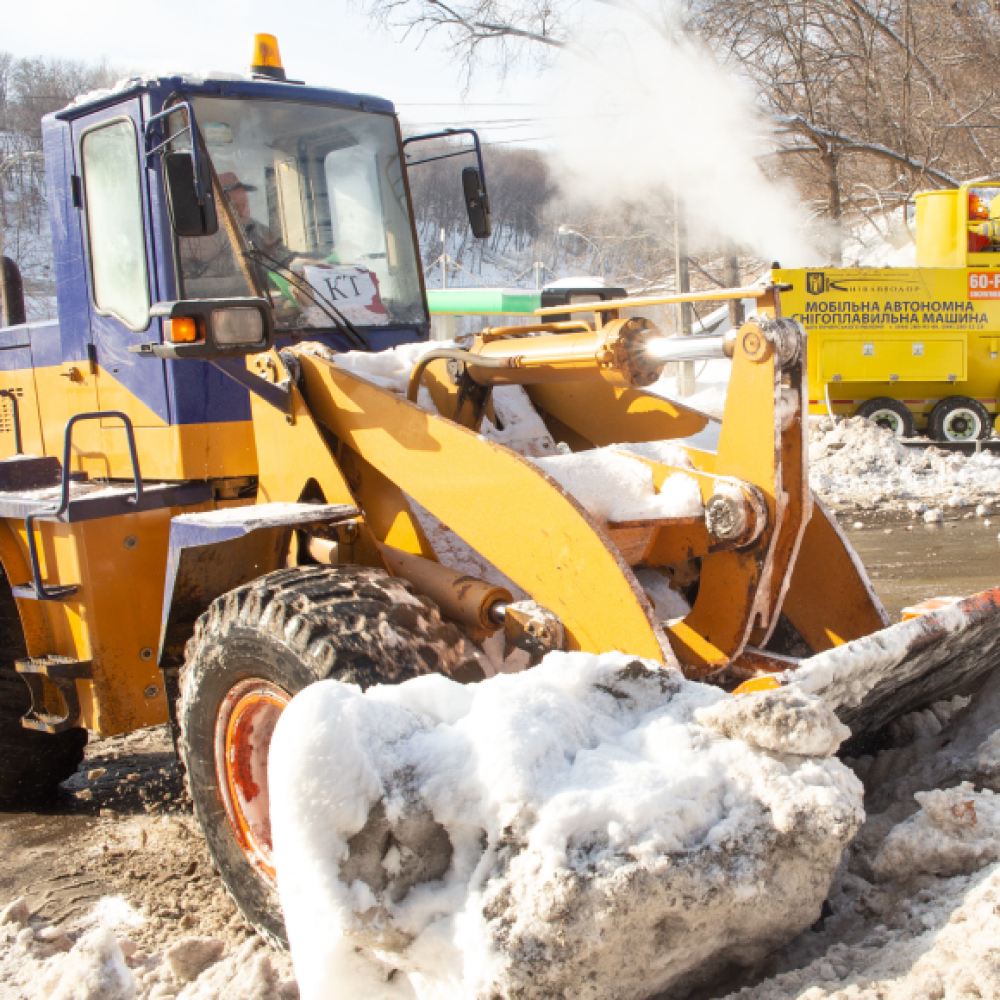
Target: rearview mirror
x=188 y=215
x=477 y=203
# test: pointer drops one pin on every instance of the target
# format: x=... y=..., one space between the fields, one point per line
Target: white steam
x=640 y=114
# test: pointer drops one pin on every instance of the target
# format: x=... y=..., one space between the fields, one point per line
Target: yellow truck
x=913 y=349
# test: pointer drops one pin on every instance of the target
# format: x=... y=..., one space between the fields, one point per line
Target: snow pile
x=389 y=369
x=94 y=969
x=667 y=603
x=956 y=832
x=913 y=912
x=615 y=487
x=854 y=458
x=584 y=828
x=884 y=243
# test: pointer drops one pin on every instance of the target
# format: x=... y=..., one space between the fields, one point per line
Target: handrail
x=41 y=592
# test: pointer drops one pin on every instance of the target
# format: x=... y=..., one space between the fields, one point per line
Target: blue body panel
x=178 y=392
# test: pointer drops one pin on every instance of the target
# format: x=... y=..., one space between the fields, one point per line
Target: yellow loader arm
x=588 y=384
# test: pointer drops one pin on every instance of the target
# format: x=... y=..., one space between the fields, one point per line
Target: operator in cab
x=259 y=236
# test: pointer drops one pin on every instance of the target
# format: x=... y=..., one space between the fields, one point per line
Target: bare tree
x=29 y=89
x=892 y=95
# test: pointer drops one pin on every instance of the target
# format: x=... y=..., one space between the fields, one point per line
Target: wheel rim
x=888 y=420
x=243 y=731
x=962 y=425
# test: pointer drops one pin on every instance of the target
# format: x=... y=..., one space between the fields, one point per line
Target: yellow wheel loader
x=204 y=509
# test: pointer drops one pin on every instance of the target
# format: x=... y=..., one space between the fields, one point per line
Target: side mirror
x=477 y=203
x=188 y=215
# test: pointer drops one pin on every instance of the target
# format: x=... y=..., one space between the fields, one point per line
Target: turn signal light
x=266 y=60
x=183 y=330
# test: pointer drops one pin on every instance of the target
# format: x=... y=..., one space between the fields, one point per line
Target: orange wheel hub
x=243 y=732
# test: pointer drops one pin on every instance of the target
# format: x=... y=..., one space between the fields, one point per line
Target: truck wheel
x=252 y=651
x=31 y=763
x=959 y=418
x=890 y=415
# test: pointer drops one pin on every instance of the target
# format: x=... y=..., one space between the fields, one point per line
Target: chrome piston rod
x=703 y=347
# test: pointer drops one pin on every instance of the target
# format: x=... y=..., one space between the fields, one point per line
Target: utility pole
x=446 y=323
x=685 y=377
x=737 y=314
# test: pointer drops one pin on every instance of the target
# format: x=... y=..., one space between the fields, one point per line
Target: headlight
x=241 y=325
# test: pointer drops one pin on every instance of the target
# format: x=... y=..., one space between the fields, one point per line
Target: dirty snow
x=914 y=911
x=475 y=838
x=113 y=885
x=613 y=486
x=855 y=460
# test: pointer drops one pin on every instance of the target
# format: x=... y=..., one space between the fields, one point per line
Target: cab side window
x=115 y=231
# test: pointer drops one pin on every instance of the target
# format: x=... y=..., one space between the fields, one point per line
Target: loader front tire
x=31 y=763
x=251 y=653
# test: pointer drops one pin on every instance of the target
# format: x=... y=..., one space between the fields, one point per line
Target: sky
x=324 y=42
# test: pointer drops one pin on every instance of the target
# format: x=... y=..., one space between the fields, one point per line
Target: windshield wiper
x=339 y=320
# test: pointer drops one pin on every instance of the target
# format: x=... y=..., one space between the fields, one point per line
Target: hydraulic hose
x=451 y=354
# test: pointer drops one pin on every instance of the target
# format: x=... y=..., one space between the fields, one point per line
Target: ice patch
x=473 y=838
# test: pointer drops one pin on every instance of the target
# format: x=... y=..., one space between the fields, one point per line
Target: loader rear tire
x=252 y=651
x=31 y=763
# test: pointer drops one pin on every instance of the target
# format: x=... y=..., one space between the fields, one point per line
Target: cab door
x=122 y=275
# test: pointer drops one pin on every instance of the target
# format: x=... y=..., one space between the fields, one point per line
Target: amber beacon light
x=266 y=60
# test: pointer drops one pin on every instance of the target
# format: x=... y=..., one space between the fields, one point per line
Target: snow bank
x=573 y=830
x=854 y=458
x=956 y=832
x=615 y=487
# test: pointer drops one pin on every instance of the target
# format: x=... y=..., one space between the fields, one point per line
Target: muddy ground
x=123 y=828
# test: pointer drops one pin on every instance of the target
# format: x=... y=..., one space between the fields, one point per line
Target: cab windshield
x=318 y=195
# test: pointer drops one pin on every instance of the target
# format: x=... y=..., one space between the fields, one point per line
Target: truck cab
x=309 y=191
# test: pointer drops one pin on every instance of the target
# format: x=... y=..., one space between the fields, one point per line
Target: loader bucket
x=873 y=680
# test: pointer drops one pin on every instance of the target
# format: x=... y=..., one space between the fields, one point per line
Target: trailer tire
x=252 y=651
x=890 y=415
x=31 y=763
x=960 y=418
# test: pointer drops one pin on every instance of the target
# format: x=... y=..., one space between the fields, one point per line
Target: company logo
x=815 y=282
x=819 y=282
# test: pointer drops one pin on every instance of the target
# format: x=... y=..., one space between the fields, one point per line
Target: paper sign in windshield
x=353 y=290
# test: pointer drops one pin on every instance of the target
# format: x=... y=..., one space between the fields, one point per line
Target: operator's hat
x=230 y=182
